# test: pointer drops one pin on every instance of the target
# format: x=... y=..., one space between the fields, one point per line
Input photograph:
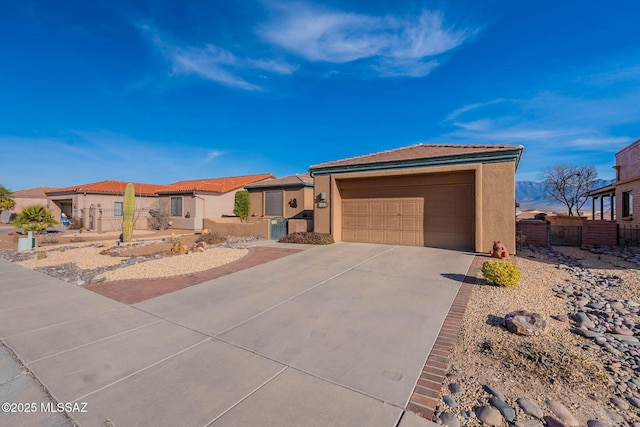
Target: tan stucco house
x=445 y=196
x=290 y=197
x=189 y=202
x=626 y=207
x=99 y=204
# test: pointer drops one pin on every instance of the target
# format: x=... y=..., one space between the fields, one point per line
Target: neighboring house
x=622 y=192
x=290 y=197
x=445 y=196
x=99 y=204
x=24 y=198
x=189 y=202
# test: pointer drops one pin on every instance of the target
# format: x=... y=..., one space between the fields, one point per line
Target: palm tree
x=34 y=218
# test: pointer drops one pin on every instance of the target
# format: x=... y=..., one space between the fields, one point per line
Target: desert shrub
x=309 y=238
x=502 y=273
x=47 y=240
x=42 y=255
x=76 y=224
x=76 y=239
x=211 y=238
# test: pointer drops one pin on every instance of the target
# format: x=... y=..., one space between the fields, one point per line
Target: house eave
x=279 y=186
x=491 y=157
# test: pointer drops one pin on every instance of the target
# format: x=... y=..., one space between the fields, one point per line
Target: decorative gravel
x=85 y=257
x=175 y=265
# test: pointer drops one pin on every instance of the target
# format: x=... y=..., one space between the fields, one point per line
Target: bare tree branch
x=569 y=184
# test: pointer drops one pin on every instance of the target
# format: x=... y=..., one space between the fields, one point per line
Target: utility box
x=27 y=243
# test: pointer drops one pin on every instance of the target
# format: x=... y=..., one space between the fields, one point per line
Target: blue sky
x=161 y=91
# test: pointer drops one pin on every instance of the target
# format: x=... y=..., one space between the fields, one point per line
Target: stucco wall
x=234 y=227
x=498 y=199
x=302 y=208
x=494 y=205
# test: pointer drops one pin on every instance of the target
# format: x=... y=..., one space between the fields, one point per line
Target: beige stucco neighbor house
x=24 y=198
x=99 y=204
x=189 y=202
x=290 y=197
x=621 y=193
x=445 y=196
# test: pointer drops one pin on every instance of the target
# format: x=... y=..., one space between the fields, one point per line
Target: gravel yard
x=560 y=366
x=176 y=265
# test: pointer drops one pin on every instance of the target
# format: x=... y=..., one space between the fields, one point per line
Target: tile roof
x=33 y=193
x=287 y=181
x=108 y=187
x=416 y=152
x=214 y=185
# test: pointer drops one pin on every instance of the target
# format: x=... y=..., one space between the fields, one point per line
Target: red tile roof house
x=446 y=196
x=99 y=204
x=24 y=198
x=192 y=201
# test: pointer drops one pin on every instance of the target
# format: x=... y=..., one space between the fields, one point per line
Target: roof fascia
x=492 y=157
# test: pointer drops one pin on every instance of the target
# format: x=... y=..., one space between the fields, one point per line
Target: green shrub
x=309 y=238
x=241 y=206
x=502 y=273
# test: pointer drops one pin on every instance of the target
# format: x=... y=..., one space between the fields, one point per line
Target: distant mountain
x=533 y=195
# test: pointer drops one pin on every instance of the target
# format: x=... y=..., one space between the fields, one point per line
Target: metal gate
x=565 y=235
x=277 y=228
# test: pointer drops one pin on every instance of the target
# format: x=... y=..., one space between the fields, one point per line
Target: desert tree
x=6 y=199
x=569 y=185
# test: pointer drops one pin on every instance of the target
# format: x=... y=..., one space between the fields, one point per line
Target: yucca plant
x=34 y=218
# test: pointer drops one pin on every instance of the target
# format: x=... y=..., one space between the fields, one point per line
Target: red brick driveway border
x=134 y=291
x=426 y=394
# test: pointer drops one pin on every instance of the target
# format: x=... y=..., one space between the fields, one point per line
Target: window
x=273 y=203
x=627 y=204
x=117 y=209
x=176 y=206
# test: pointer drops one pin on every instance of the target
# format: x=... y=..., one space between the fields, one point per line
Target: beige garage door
x=397 y=221
x=442 y=217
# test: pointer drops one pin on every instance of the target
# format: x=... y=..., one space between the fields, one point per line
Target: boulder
x=522 y=322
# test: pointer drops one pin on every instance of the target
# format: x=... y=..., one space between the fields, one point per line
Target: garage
x=445 y=196
x=420 y=210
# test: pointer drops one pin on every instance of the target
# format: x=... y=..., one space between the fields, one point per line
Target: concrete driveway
x=333 y=335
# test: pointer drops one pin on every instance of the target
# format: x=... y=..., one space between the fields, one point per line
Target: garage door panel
x=439 y=216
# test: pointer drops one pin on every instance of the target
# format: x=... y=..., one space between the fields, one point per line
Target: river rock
x=523 y=322
x=507 y=411
x=563 y=414
x=489 y=416
x=455 y=388
x=528 y=423
x=529 y=407
x=597 y=423
x=494 y=391
x=449 y=419
x=450 y=401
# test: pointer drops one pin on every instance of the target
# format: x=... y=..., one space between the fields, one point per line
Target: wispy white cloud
x=214 y=63
x=212 y=154
x=471 y=107
x=395 y=46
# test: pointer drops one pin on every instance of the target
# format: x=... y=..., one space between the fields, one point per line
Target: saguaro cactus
x=128 y=208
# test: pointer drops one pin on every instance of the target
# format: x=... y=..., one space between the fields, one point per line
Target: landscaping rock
x=489 y=416
x=494 y=391
x=529 y=407
x=597 y=423
x=528 y=423
x=523 y=322
x=450 y=401
x=455 y=388
x=563 y=413
x=449 y=419
x=507 y=411
x=553 y=422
